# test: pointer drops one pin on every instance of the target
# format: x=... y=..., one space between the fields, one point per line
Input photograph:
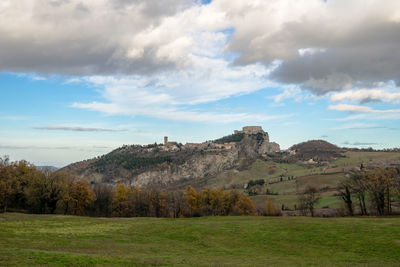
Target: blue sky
x=194 y=71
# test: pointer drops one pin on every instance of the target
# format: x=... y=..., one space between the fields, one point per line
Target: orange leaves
x=212 y=202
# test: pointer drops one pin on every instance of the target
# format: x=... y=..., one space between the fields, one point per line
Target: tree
x=380 y=183
x=176 y=204
x=309 y=199
x=244 y=206
x=270 y=208
x=80 y=197
x=120 y=203
x=44 y=191
x=104 y=196
x=192 y=200
x=5 y=184
x=359 y=188
x=345 y=191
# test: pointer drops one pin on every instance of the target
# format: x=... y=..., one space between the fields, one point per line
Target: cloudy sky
x=80 y=78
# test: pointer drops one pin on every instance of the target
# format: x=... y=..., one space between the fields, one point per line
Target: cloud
x=76 y=129
x=165 y=57
x=362 y=109
x=360 y=143
x=323 y=46
x=291 y=92
x=80 y=38
x=320 y=45
x=172 y=113
x=80 y=148
x=176 y=95
x=365 y=96
x=359 y=126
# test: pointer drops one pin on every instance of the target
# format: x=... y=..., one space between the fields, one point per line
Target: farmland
x=284 y=191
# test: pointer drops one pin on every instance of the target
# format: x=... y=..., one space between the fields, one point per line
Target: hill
x=318 y=150
x=174 y=165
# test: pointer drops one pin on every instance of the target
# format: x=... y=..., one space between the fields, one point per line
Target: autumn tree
x=120 y=201
x=5 y=184
x=192 y=200
x=270 y=208
x=244 y=206
x=43 y=192
x=380 y=184
x=80 y=196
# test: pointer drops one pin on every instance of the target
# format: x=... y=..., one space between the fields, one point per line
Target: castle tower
x=165 y=140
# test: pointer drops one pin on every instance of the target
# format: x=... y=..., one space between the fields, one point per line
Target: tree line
x=25 y=188
x=371 y=192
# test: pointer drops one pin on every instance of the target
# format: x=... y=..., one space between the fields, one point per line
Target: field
x=28 y=240
x=285 y=191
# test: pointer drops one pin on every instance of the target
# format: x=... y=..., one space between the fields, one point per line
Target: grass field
x=28 y=240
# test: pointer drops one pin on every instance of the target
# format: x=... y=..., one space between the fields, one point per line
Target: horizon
x=74 y=86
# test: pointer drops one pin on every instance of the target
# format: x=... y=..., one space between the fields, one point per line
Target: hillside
x=318 y=150
x=174 y=165
x=243 y=161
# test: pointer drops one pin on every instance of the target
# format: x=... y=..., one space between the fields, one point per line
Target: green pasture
x=44 y=240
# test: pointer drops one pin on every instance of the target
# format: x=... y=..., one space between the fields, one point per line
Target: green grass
x=29 y=240
x=356 y=158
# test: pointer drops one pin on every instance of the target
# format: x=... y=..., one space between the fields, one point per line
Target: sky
x=81 y=78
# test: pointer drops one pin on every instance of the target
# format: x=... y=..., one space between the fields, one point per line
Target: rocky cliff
x=172 y=164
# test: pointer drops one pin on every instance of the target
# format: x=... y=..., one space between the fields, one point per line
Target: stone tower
x=165 y=140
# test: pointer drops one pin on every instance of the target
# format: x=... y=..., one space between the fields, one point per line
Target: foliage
x=379 y=185
x=256 y=182
x=24 y=187
x=129 y=161
x=270 y=208
x=236 y=138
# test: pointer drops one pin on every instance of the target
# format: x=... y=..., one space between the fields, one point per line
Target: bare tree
x=309 y=199
x=345 y=191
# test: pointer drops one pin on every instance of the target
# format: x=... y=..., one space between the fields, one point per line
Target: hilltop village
x=226 y=143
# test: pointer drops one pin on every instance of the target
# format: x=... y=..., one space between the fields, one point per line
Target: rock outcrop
x=174 y=164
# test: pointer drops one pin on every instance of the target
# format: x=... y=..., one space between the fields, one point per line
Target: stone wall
x=252 y=129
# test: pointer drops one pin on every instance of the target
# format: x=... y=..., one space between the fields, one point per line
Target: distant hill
x=47 y=168
x=319 y=150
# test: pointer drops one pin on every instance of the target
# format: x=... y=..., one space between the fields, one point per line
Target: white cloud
x=367 y=95
x=77 y=129
x=173 y=94
x=358 y=126
x=362 y=109
x=310 y=51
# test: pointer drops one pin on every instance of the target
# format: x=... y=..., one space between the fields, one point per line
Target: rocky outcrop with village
x=173 y=164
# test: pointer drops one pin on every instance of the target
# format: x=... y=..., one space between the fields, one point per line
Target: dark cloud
x=70 y=56
x=72 y=37
x=327 y=52
x=365 y=57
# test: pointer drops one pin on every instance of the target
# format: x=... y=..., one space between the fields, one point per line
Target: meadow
x=37 y=240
